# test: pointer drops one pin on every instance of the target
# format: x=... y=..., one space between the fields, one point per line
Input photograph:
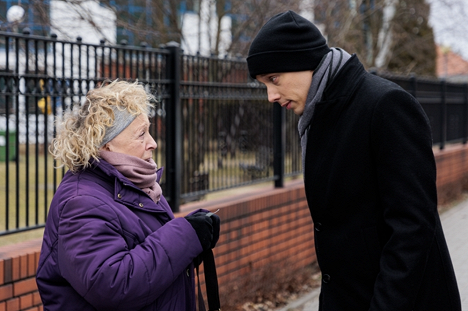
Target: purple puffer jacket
x=108 y=246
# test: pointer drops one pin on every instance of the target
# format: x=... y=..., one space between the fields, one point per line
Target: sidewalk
x=455 y=224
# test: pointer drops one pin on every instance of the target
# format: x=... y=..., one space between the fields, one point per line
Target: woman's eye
x=142 y=134
x=273 y=79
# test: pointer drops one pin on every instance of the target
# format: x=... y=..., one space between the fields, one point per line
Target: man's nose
x=273 y=95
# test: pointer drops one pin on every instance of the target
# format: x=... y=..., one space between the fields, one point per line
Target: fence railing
x=446 y=105
x=213 y=125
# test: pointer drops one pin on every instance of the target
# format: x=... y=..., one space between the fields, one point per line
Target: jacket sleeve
x=406 y=175
x=94 y=257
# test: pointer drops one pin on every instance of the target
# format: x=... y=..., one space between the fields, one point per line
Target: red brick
x=24 y=287
x=32 y=264
x=15 y=268
x=36 y=299
x=23 y=266
x=6 y=292
x=3 y=306
x=2 y=272
x=12 y=304
x=36 y=257
x=7 y=271
x=26 y=301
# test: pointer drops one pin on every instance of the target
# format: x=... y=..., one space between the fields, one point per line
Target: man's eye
x=273 y=78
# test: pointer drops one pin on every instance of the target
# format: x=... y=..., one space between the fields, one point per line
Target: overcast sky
x=449 y=19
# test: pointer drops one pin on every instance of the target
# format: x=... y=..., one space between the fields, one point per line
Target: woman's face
x=135 y=140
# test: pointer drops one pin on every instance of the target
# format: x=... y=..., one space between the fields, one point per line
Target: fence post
x=465 y=113
x=279 y=140
x=174 y=128
x=443 y=114
x=413 y=84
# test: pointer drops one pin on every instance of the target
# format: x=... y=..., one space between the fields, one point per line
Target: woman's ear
x=106 y=147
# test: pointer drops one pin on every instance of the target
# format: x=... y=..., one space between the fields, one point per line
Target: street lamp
x=15 y=14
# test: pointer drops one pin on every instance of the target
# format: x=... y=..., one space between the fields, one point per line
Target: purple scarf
x=141 y=172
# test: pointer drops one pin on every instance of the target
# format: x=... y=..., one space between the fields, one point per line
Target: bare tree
x=391 y=35
x=157 y=22
x=250 y=16
x=414 y=46
x=385 y=38
x=387 y=34
x=161 y=21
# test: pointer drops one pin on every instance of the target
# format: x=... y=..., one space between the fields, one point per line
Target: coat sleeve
x=406 y=175
x=94 y=257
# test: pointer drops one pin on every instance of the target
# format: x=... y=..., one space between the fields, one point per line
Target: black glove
x=216 y=225
x=203 y=226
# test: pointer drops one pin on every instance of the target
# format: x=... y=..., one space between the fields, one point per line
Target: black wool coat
x=370 y=181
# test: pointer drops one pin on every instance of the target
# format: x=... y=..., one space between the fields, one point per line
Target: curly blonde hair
x=83 y=128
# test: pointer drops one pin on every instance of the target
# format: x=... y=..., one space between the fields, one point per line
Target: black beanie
x=287 y=42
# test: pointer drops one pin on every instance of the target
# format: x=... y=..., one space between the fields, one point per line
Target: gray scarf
x=326 y=71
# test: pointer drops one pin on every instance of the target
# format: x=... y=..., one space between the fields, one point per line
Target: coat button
x=326 y=278
x=141 y=204
x=119 y=196
x=188 y=272
x=318 y=226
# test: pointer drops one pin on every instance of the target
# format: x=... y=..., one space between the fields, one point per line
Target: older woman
x=111 y=241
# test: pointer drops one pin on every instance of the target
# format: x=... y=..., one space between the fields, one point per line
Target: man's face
x=289 y=89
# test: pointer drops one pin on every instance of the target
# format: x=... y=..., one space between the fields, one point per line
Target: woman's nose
x=151 y=143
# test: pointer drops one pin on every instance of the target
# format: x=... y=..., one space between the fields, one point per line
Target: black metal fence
x=446 y=105
x=213 y=125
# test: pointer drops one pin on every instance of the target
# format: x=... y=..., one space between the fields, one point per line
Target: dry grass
x=30 y=186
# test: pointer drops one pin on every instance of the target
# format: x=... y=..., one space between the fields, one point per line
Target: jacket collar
x=126 y=192
x=353 y=70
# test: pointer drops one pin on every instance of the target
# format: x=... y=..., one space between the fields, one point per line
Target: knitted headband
x=287 y=42
x=122 y=119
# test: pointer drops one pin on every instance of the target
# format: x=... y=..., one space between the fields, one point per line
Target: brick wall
x=266 y=237
x=18 y=290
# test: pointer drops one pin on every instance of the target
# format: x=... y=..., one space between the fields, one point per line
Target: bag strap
x=201 y=303
x=211 y=283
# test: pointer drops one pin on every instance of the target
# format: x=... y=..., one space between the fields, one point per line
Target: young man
x=369 y=173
